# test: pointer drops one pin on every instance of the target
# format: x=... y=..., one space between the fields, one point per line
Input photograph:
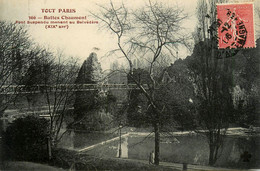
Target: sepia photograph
x=129 y=85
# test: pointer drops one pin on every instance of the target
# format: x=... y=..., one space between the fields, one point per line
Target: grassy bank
x=79 y=161
x=28 y=166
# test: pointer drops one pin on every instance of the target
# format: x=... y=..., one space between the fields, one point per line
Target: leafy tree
x=137 y=114
x=26 y=139
x=251 y=72
x=40 y=70
x=89 y=73
x=177 y=95
x=247 y=97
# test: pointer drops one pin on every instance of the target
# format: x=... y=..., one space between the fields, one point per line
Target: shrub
x=26 y=139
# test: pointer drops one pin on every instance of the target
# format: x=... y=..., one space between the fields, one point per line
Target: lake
x=187 y=148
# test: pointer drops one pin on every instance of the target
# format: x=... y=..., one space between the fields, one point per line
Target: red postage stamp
x=235 y=26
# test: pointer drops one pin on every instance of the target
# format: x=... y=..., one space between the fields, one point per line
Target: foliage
x=26 y=139
x=173 y=96
x=250 y=72
x=108 y=102
x=177 y=97
x=247 y=98
x=137 y=114
x=89 y=73
x=92 y=108
x=39 y=72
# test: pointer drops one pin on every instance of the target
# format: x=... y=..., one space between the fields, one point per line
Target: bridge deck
x=23 y=89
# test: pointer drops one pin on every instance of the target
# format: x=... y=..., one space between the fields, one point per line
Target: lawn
x=28 y=166
x=81 y=161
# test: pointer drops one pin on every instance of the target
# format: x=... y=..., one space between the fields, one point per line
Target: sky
x=80 y=40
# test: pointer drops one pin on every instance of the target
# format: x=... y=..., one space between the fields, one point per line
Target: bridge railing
x=16 y=89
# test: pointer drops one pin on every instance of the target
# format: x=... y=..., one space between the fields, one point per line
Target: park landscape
x=199 y=112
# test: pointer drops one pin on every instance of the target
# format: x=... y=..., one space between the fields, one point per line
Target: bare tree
x=145 y=34
x=212 y=79
x=59 y=95
x=55 y=76
x=16 y=52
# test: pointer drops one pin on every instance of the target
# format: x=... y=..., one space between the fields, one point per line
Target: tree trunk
x=157 y=143
x=49 y=148
x=212 y=149
x=211 y=155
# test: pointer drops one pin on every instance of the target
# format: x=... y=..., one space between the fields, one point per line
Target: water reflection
x=192 y=149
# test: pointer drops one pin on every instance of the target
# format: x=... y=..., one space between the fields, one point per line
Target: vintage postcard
x=129 y=85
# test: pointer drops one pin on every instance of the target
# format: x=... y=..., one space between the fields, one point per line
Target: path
x=102 y=143
x=179 y=166
x=239 y=131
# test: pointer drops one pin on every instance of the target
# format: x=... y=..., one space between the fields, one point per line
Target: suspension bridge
x=25 y=89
